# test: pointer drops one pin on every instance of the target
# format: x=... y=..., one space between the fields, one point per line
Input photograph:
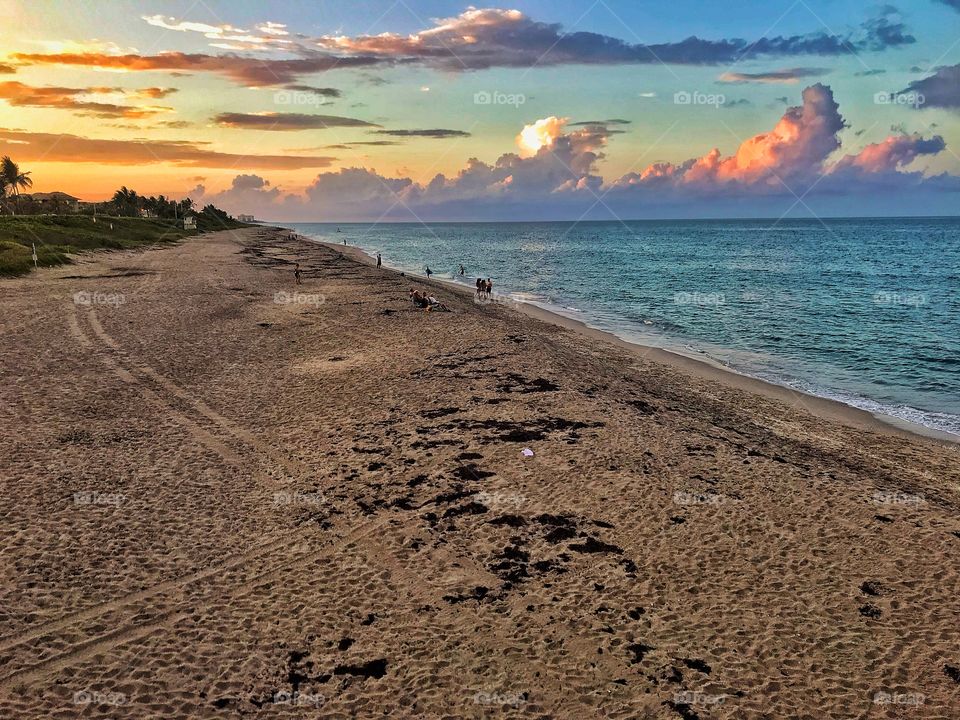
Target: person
x=489 y=287
x=480 y=287
x=436 y=304
x=296 y=273
x=429 y=272
x=463 y=270
x=344 y=241
x=418 y=300
x=379 y=262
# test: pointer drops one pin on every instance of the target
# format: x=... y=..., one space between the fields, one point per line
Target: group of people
x=484 y=288
x=426 y=302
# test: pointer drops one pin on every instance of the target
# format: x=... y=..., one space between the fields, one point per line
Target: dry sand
x=223 y=502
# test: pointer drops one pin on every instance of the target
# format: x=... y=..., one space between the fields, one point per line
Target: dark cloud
x=51 y=147
x=287 y=121
x=786 y=75
x=955 y=4
x=327 y=92
x=742 y=102
x=613 y=121
x=7 y=69
x=868 y=73
x=940 y=90
x=437 y=133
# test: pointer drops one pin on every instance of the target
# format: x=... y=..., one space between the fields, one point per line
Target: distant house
x=245 y=218
x=189 y=222
x=53 y=202
x=144 y=213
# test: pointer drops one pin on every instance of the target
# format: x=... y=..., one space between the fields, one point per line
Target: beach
x=228 y=495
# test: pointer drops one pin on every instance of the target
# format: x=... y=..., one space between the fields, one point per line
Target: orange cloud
x=50 y=147
x=253 y=72
x=62 y=98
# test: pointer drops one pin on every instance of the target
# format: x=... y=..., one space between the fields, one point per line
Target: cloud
x=50 y=147
x=787 y=76
x=742 y=102
x=7 y=69
x=955 y=4
x=940 y=90
x=156 y=92
x=474 y=40
x=556 y=176
x=286 y=121
x=485 y=38
x=436 y=133
x=868 y=73
x=63 y=98
x=248 y=71
x=614 y=121
x=327 y=92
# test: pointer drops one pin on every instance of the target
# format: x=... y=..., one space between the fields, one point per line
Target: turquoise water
x=866 y=311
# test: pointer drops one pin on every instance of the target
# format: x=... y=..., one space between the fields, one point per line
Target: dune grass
x=56 y=236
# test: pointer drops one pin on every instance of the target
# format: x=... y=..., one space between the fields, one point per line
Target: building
x=245 y=218
x=52 y=202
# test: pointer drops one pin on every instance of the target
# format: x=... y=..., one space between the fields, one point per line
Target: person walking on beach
x=480 y=287
x=379 y=262
x=296 y=273
x=429 y=272
x=463 y=271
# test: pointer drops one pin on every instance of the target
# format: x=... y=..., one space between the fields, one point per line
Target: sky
x=436 y=110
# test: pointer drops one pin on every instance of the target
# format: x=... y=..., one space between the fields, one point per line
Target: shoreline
x=816 y=405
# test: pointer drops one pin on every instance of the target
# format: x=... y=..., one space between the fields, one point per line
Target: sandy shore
x=229 y=496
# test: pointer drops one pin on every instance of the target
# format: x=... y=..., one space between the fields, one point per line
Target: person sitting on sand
x=296 y=273
x=436 y=304
x=419 y=300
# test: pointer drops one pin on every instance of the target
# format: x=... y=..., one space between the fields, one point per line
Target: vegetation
x=117 y=224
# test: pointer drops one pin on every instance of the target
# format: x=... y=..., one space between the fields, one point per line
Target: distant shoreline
x=820 y=406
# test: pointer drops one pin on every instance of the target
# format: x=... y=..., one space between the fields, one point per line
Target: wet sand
x=229 y=496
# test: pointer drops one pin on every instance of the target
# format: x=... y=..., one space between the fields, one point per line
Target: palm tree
x=13 y=178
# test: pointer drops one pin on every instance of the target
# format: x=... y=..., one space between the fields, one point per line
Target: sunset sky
x=529 y=110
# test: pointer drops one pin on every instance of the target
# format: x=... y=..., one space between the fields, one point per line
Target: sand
x=225 y=496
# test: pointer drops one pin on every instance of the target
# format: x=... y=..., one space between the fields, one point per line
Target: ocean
x=864 y=311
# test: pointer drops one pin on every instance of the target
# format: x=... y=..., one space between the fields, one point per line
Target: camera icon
x=682 y=98
x=82 y=298
x=281 y=297
x=282 y=97
x=881 y=98
x=482 y=98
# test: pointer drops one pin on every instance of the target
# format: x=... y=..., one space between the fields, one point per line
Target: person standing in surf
x=379 y=262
